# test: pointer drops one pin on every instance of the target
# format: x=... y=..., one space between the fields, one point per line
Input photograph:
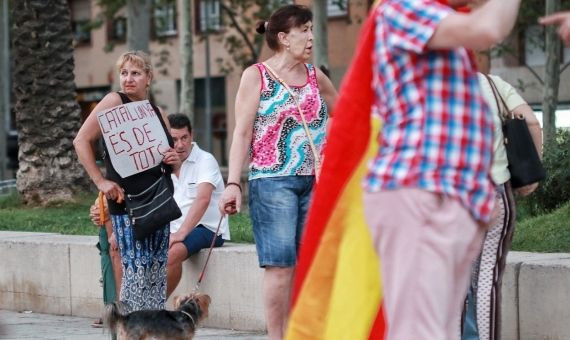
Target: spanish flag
x=337 y=291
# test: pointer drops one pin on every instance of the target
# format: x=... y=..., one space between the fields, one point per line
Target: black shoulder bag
x=524 y=163
x=152 y=208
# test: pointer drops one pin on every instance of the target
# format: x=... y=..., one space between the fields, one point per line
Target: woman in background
x=484 y=296
x=269 y=129
x=143 y=284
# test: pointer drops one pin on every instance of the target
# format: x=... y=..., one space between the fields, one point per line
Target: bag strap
x=312 y=144
x=504 y=112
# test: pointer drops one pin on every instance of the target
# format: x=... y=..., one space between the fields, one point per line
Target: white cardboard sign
x=134 y=137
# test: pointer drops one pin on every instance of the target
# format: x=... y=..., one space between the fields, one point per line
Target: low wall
x=58 y=274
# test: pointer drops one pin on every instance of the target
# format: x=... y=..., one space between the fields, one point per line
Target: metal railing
x=7 y=186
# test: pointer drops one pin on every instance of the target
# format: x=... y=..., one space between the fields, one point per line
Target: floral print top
x=280 y=146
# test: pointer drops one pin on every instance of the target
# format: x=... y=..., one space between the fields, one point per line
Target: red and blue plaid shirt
x=437 y=132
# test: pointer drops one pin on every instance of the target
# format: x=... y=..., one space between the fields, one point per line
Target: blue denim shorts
x=278 y=206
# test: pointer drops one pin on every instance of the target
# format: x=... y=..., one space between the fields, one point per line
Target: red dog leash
x=208 y=258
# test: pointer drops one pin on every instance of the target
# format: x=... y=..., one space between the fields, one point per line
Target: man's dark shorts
x=201 y=238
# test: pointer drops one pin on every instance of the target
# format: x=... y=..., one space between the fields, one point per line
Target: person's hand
x=113 y=242
x=172 y=158
x=527 y=189
x=95 y=215
x=230 y=201
x=111 y=190
x=176 y=238
x=562 y=20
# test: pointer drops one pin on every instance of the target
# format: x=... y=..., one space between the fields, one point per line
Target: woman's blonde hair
x=139 y=58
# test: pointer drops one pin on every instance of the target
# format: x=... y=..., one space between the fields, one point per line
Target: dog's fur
x=159 y=324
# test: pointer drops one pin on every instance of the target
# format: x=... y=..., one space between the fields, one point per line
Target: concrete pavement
x=14 y=325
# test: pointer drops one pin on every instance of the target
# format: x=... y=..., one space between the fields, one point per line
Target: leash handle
x=102 y=217
x=208 y=258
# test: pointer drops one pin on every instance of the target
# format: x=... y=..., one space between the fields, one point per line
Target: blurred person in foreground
x=428 y=192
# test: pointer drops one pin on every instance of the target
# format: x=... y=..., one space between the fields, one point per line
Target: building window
x=218 y=115
x=209 y=9
x=164 y=18
x=337 y=8
x=117 y=30
x=80 y=21
x=535 y=47
x=81 y=32
x=534 y=54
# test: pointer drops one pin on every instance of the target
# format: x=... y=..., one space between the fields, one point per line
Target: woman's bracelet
x=236 y=184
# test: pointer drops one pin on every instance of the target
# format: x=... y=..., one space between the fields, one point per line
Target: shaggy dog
x=179 y=324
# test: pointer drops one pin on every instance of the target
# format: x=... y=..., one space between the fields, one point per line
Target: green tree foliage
x=243 y=43
x=554 y=191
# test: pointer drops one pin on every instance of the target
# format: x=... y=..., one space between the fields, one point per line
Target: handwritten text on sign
x=134 y=137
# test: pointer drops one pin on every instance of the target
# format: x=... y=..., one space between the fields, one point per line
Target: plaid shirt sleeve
x=411 y=23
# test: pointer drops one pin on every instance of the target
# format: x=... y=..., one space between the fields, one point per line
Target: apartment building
x=95 y=59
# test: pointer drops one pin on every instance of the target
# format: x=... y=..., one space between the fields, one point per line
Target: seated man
x=198 y=185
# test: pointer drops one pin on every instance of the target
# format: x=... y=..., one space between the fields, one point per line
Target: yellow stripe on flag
x=357 y=290
x=344 y=271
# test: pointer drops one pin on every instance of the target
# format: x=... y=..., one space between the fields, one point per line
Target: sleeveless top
x=280 y=146
x=138 y=182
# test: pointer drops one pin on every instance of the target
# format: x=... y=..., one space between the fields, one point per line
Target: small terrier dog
x=179 y=324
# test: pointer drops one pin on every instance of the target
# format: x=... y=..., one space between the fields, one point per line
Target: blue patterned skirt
x=144 y=265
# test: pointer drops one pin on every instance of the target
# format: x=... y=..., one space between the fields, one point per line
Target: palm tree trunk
x=47 y=115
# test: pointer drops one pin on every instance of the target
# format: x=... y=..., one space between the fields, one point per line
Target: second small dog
x=179 y=324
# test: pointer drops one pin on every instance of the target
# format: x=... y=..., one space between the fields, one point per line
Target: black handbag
x=525 y=165
x=152 y=208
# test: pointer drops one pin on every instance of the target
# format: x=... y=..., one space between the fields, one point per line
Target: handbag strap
x=501 y=105
x=305 y=126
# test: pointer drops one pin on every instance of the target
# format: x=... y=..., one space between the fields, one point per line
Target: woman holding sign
x=137 y=145
x=282 y=108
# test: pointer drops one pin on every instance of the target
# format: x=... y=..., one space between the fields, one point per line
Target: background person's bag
x=153 y=208
x=524 y=163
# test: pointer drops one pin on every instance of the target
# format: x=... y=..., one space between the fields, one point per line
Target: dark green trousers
x=106 y=267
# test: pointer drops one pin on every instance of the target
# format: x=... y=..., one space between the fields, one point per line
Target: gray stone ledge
x=59 y=274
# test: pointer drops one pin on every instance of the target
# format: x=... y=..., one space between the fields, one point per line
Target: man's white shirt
x=199 y=167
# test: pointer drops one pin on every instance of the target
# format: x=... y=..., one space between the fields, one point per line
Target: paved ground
x=14 y=325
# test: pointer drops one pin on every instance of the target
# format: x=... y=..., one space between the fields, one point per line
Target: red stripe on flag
x=351 y=130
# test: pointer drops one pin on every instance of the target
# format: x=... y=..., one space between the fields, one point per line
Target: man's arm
x=479 y=30
x=195 y=213
x=327 y=90
x=562 y=20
